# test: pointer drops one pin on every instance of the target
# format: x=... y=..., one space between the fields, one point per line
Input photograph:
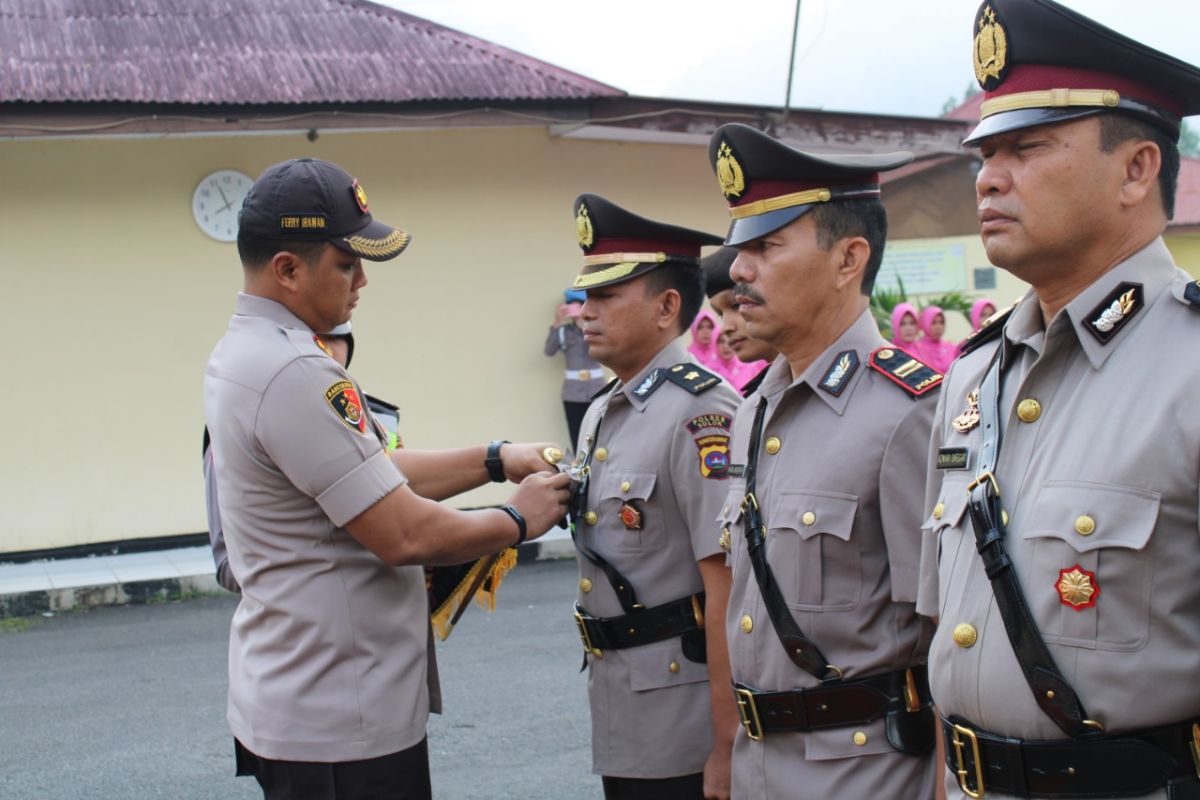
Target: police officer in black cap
x=823 y=519
x=1063 y=539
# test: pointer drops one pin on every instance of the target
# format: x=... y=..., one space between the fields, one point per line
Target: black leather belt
x=833 y=704
x=644 y=626
x=1120 y=765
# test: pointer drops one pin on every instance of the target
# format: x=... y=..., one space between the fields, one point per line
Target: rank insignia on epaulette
x=1115 y=311
x=905 y=371
x=1191 y=293
x=1077 y=587
x=838 y=376
x=692 y=377
x=647 y=387
x=714 y=456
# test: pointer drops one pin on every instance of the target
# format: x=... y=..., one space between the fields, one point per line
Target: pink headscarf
x=897 y=315
x=737 y=372
x=705 y=356
x=937 y=354
x=977 y=312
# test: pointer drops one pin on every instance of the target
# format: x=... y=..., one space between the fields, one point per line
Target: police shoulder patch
x=692 y=377
x=988 y=331
x=344 y=400
x=905 y=371
x=714 y=456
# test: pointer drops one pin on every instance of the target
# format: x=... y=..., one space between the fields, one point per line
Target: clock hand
x=228 y=205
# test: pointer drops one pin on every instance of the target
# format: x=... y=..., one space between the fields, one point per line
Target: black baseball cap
x=769 y=184
x=307 y=199
x=619 y=245
x=1039 y=62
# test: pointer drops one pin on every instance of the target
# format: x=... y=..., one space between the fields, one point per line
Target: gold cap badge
x=729 y=172
x=583 y=226
x=991 y=48
x=360 y=197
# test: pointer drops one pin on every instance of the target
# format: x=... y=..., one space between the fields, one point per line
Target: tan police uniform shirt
x=1099 y=483
x=328 y=647
x=569 y=339
x=665 y=451
x=841 y=499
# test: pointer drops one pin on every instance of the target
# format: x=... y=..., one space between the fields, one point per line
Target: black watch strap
x=517 y=518
x=495 y=467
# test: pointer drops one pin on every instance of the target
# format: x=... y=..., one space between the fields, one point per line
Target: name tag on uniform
x=737 y=470
x=952 y=458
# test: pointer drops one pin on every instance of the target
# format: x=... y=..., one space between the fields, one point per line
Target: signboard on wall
x=926 y=266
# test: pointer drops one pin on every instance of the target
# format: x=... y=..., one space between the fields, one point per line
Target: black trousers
x=575 y=411
x=685 y=787
x=398 y=776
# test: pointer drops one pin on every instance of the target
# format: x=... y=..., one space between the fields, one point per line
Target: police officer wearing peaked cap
x=654 y=448
x=823 y=513
x=331 y=675
x=1062 y=543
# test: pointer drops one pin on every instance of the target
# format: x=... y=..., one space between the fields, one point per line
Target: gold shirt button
x=1004 y=516
x=860 y=738
x=1084 y=525
x=747 y=623
x=773 y=445
x=673 y=667
x=585 y=586
x=938 y=510
x=590 y=517
x=724 y=540
x=625 y=486
x=809 y=518
x=965 y=634
x=1028 y=410
x=601 y=454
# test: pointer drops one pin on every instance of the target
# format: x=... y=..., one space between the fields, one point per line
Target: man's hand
x=560 y=315
x=542 y=500
x=524 y=459
x=716 y=774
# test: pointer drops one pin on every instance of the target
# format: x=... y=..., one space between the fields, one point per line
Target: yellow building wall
x=113 y=299
x=1185 y=247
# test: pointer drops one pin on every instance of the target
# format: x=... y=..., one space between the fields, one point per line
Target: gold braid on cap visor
x=394 y=242
x=1050 y=98
x=622 y=265
x=798 y=199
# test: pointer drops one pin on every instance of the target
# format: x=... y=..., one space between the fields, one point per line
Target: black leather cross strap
x=1054 y=695
x=799 y=648
x=620 y=584
x=1129 y=764
x=646 y=626
x=834 y=704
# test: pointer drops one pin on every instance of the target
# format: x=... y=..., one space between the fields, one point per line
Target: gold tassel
x=484 y=586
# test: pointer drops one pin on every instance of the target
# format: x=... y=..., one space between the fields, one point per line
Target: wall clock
x=217 y=201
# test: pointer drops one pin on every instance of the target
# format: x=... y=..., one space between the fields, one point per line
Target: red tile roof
x=258 y=52
x=1187 y=195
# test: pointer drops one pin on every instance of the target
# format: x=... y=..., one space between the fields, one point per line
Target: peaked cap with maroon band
x=769 y=184
x=1038 y=62
x=619 y=245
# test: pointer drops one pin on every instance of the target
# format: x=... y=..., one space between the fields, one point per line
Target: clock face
x=217 y=201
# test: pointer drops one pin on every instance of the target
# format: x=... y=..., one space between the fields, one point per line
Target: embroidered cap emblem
x=583 y=227
x=991 y=48
x=729 y=172
x=1077 y=587
x=969 y=419
x=360 y=197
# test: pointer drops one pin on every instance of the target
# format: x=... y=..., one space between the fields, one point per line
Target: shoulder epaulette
x=905 y=371
x=691 y=377
x=988 y=331
x=604 y=389
x=1191 y=293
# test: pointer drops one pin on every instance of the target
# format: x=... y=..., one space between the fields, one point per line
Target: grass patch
x=16 y=624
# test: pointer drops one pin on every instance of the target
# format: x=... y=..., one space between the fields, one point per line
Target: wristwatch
x=495 y=467
x=517 y=518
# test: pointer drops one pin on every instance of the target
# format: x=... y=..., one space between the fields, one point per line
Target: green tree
x=952 y=102
x=1189 y=141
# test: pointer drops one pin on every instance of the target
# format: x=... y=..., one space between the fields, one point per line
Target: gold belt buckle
x=961 y=761
x=587 y=640
x=749 y=713
x=585 y=375
x=987 y=476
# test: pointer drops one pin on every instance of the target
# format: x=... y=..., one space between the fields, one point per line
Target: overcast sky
x=883 y=56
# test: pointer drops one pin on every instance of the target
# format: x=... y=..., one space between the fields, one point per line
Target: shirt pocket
x=950 y=526
x=627 y=496
x=1089 y=577
x=661 y=665
x=815 y=561
x=838 y=743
